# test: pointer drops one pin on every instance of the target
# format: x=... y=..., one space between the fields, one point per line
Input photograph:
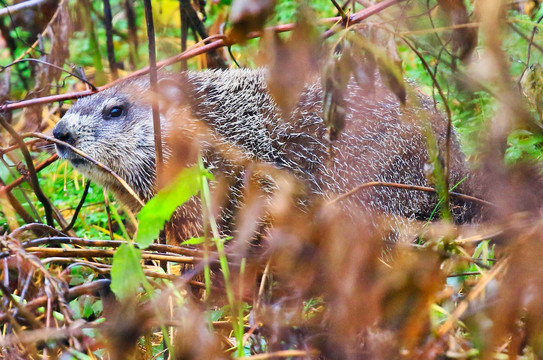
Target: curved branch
x=93 y=88
x=405 y=187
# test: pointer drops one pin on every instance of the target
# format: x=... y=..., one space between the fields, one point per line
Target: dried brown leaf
x=291 y=62
x=249 y=15
x=464 y=39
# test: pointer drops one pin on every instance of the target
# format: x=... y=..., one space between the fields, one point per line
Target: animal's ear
x=170 y=94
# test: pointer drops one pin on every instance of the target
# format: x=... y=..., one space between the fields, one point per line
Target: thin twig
x=78 y=208
x=51 y=159
x=75 y=292
x=153 y=82
x=109 y=39
x=57 y=240
x=524 y=37
x=44 y=32
x=283 y=354
x=477 y=290
x=405 y=187
x=340 y=11
x=36 y=227
x=93 y=253
x=123 y=183
x=529 y=51
x=449 y=119
x=43 y=62
x=32 y=172
x=132 y=32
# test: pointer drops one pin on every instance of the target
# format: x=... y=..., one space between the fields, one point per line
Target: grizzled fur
x=382 y=141
x=124 y=144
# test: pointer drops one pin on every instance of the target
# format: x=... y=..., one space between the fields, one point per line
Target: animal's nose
x=61 y=132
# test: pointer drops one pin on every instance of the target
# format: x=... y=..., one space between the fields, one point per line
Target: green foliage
x=64 y=186
x=161 y=207
x=524 y=145
x=471 y=109
x=126 y=273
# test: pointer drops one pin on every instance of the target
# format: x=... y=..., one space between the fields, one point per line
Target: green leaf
x=76 y=355
x=97 y=307
x=215 y=315
x=87 y=307
x=194 y=241
x=74 y=304
x=126 y=272
x=161 y=207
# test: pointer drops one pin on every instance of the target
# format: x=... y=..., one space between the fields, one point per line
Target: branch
x=217 y=41
x=10 y=10
x=406 y=187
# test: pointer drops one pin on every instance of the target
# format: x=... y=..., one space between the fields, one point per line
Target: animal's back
x=383 y=141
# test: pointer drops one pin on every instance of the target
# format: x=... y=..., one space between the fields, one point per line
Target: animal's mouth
x=78 y=161
x=67 y=154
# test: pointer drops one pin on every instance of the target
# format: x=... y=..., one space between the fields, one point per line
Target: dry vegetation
x=323 y=283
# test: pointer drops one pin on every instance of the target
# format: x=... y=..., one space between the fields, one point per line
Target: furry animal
x=382 y=141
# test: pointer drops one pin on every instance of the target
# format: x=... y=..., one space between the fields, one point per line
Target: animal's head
x=115 y=128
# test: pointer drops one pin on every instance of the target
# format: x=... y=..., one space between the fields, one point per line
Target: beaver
x=383 y=141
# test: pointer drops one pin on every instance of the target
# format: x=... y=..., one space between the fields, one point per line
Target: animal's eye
x=115 y=112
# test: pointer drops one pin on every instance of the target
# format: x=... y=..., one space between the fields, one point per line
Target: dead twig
x=92 y=253
x=73 y=293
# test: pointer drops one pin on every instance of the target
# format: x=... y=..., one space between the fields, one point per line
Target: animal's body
x=382 y=141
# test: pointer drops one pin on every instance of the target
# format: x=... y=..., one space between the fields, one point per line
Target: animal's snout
x=61 y=132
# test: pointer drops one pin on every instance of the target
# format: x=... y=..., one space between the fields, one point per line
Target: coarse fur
x=382 y=141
